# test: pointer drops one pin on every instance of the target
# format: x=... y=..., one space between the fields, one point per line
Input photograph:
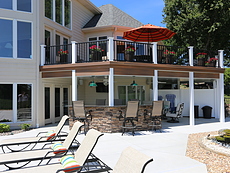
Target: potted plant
x=96 y=53
x=129 y=53
x=211 y=62
x=63 y=55
x=201 y=58
x=169 y=56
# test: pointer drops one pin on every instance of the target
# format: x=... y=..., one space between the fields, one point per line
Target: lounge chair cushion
x=68 y=161
x=50 y=135
x=58 y=148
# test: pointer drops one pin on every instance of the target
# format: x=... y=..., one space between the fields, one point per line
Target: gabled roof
x=112 y=15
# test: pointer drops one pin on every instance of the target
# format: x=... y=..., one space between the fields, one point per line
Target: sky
x=146 y=11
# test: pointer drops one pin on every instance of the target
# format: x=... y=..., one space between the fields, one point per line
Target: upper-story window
x=16 y=5
x=59 y=11
x=6 y=4
x=15 y=44
x=24 y=5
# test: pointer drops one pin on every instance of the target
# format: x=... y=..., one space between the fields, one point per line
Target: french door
x=56 y=103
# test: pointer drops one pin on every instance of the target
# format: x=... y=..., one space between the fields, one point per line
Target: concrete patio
x=167 y=148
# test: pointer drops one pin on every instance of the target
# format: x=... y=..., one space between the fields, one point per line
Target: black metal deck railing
x=96 y=51
x=59 y=54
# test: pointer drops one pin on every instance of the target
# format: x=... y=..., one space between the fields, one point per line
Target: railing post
x=190 y=55
x=154 y=52
x=73 y=52
x=43 y=54
x=110 y=52
x=221 y=58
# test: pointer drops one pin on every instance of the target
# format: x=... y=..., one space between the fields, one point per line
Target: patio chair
x=156 y=115
x=130 y=115
x=24 y=143
x=175 y=116
x=166 y=109
x=80 y=114
x=100 y=101
x=83 y=157
x=21 y=159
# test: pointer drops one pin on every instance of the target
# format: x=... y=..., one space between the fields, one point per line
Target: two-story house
x=56 y=51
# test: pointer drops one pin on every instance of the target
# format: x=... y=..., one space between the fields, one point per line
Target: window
x=6 y=35
x=47 y=103
x=47 y=43
x=24 y=102
x=21 y=5
x=6 y=102
x=6 y=4
x=49 y=9
x=59 y=11
x=8 y=41
x=24 y=5
x=67 y=13
x=131 y=92
x=24 y=39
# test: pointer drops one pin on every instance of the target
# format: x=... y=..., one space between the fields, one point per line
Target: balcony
x=127 y=51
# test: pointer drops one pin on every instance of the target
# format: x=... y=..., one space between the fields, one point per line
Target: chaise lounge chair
x=21 y=159
x=24 y=143
x=81 y=156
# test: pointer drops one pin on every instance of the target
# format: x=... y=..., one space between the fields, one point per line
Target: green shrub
x=227 y=139
x=227 y=132
x=5 y=120
x=4 y=128
x=220 y=139
x=25 y=126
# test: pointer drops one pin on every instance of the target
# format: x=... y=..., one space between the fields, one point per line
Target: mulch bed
x=215 y=163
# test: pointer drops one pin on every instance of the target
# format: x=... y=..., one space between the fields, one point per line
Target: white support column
x=74 y=86
x=111 y=49
x=191 y=98
x=43 y=54
x=191 y=55
x=155 y=86
x=111 y=87
x=221 y=97
x=74 y=52
x=154 y=52
x=221 y=58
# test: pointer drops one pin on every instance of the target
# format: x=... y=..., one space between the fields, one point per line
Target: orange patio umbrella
x=148 y=33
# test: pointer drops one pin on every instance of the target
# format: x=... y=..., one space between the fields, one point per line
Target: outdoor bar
x=105 y=118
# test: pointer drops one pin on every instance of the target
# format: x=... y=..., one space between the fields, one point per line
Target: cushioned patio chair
x=82 y=156
x=175 y=116
x=21 y=159
x=130 y=115
x=156 y=115
x=80 y=114
x=41 y=137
